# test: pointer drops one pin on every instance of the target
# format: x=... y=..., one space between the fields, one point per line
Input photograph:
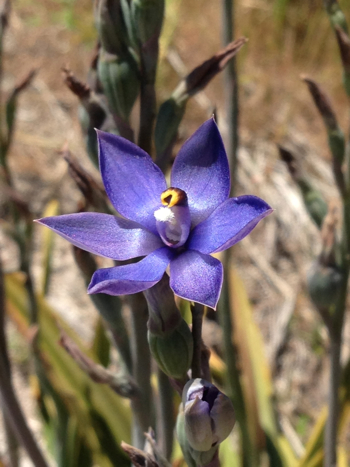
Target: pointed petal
x=198 y=425
x=196 y=277
x=223 y=417
x=133 y=182
x=104 y=235
x=131 y=278
x=201 y=169
x=228 y=224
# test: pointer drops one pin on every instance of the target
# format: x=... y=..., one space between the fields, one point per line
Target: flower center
x=173 y=220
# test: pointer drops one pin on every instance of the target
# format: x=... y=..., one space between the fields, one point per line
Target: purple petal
x=133 y=182
x=201 y=169
x=104 y=235
x=196 y=277
x=131 y=278
x=228 y=224
x=198 y=425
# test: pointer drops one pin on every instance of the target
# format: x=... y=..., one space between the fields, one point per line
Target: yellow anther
x=172 y=197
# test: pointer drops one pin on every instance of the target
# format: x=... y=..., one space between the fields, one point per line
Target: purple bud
x=209 y=414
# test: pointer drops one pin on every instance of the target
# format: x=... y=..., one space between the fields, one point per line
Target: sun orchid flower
x=178 y=226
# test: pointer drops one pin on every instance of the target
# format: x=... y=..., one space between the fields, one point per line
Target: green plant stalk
x=148 y=102
x=165 y=414
x=231 y=89
x=333 y=404
x=141 y=364
x=249 y=456
x=234 y=388
x=3 y=162
x=197 y=311
x=335 y=335
x=147 y=114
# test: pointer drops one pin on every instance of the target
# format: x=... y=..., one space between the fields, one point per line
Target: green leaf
x=91 y=404
x=101 y=344
x=11 y=105
x=313 y=456
x=256 y=378
x=47 y=246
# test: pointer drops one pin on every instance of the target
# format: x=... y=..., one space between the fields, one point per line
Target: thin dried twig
x=120 y=383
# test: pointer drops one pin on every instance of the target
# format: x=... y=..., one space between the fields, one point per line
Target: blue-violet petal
x=196 y=277
x=201 y=169
x=228 y=224
x=104 y=235
x=133 y=182
x=131 y=278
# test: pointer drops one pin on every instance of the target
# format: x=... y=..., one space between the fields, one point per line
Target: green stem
x=335 y=334
x=333 y=403
x=197 y=319
x=141 y=364
x=249 y=454
x=147 y=115
x=165 y=414
x=231 y=89
x=234 y=387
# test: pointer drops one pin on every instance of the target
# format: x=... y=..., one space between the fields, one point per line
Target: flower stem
x=141 y=364
x=235 y=392
x=335 y=336
x=333 y=404
x=147 y=115
x=197 y=319
x=231 y=89
x=165 y=414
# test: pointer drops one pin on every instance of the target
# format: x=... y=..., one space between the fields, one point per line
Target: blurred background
x=286 y=39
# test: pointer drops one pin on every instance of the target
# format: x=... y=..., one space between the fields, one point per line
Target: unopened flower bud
x=147 y=17
x=323 y=285
x=173 y=352
x=120 y=82
x=172 y=110
x=192 y=457
x=110 y=25
x=209 y=414
x=164 y=316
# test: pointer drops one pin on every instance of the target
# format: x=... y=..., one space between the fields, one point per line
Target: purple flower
x=179 y=226
x=209 y=415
